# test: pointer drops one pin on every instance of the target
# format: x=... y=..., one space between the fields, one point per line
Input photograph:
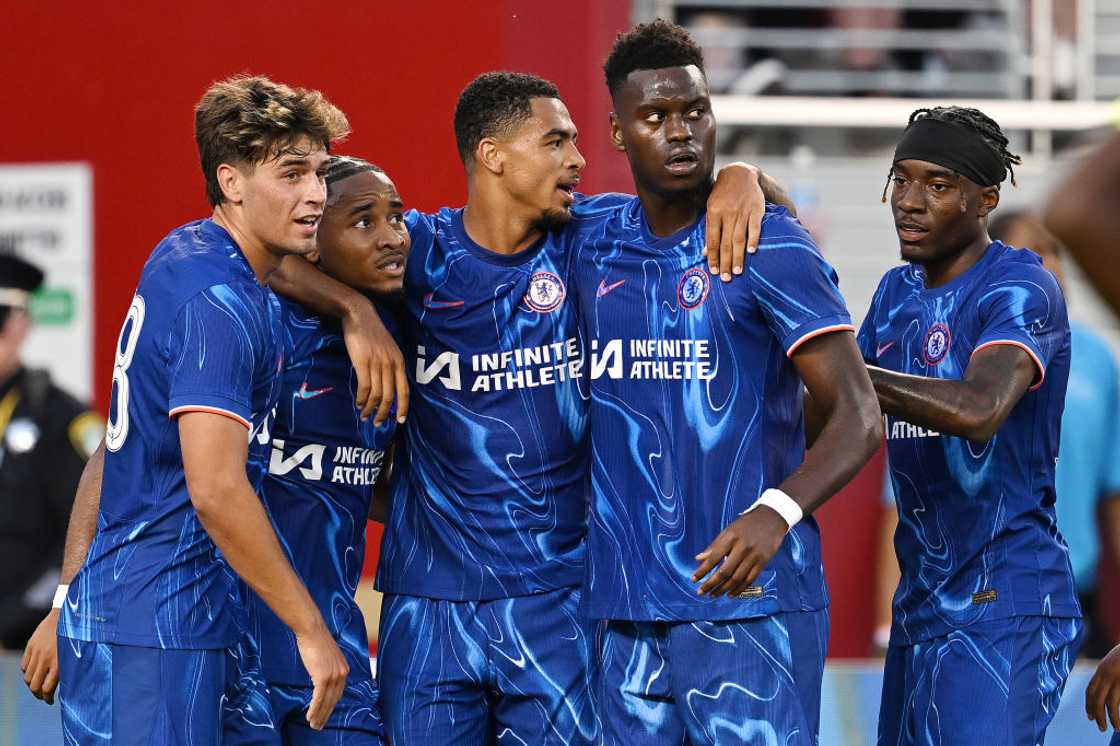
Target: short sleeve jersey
x=200 y=335
x=696 y=409
x=322 y=465
x=489 y=497
x=977 y=538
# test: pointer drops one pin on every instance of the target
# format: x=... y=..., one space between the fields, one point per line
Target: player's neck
x=490 y=223
x=668 y=213
x=942 y=271
x=262 y=261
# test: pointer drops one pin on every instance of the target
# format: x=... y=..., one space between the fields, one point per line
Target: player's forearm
x=952 y=407
x=300 y=281
x=852 y=432
x=83 y=516
x=237 y=523
x=1084 y=214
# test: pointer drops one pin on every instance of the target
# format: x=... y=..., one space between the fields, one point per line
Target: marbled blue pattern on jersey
x=976 y=538
x=202 y=335
x=696 y=409
x=322 y=466
x=490 y=500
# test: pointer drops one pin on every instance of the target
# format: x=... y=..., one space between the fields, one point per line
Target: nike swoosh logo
x=883 y=348
x=604 y=288
x=429 y=303
x=304 y=393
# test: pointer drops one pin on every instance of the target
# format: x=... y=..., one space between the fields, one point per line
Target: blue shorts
x=512 y=670
x=994 y=683
x=355 y=721
x=126 y=695
x=726 y=682
x=263 y=713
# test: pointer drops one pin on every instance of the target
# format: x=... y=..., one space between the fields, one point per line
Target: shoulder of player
x=595 y=208
x=1022 y=266
x=780 y=230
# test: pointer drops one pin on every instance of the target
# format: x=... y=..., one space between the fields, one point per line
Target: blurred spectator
x=1088 y=475
x=45 y=438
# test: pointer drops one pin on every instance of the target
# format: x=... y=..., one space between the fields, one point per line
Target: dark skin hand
x=40 y=658
x=974 y=407
x=1084 y=214
x=1102 y=696
x=834 y=374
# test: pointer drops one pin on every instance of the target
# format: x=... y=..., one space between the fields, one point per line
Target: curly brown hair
x=248 y=119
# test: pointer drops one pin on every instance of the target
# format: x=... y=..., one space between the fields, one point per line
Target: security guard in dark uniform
x=46 y=436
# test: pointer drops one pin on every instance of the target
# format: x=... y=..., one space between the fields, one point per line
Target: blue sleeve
x=588 y=205
x=213 y=353
x=1024 y=308
x=793 y=285
x=867 y=338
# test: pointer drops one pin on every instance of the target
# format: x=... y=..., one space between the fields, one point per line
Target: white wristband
x=60 y=596
x=780 y=503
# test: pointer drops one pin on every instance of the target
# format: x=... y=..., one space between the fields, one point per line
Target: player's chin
x=554 y=218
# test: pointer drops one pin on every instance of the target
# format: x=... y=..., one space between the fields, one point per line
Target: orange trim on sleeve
x=817 y=333
x=212 y=410
x=1024 y=348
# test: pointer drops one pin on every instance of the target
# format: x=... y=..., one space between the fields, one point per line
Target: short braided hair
x=340 y=167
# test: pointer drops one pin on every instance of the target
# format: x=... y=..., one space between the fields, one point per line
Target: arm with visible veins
x=974 y=407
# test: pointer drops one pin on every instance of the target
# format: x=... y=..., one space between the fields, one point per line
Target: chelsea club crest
x=693 y=288
x=546 y=292
x=937 y=344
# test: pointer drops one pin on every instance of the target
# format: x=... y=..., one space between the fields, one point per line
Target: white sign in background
x=46 y=217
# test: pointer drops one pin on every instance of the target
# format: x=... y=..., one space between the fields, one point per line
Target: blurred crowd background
x=97 y=163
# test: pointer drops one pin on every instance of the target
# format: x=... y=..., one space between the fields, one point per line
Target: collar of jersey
x=486 y=255
x=649 y=238
x=995 y=248
x=218 y=232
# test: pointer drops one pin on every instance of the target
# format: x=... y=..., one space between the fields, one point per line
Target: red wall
x=114 y=84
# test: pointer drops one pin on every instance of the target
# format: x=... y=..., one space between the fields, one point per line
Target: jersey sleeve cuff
x=816 y=328
x=213 y=405
x=1025 y=348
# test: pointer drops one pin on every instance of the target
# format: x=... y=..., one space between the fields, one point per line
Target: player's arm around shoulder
x=377 y=360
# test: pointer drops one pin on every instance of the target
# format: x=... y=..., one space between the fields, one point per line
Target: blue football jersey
x=322 y=466
x=490 y=488
x=977 y=538
x=200 y=335
x=696 y=409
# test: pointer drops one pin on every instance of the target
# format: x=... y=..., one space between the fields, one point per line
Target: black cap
x=19 y=276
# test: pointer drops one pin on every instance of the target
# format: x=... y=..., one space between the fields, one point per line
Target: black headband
x=953 y=146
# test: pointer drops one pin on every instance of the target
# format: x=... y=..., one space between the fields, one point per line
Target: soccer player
x=968 y=348
x=146 y=620
x=483 y=552
x=703 y=556
x=324 y=463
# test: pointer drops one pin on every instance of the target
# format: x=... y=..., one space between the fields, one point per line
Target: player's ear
x=616 y=133
x=489 y=155
x=989 y=199
x=230 y=181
